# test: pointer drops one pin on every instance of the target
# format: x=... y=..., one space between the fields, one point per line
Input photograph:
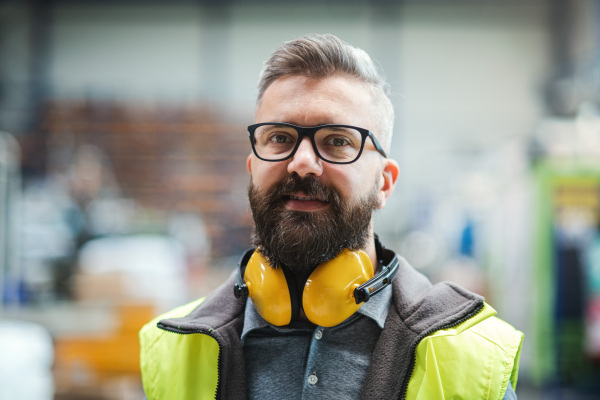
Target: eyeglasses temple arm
x=378 y=146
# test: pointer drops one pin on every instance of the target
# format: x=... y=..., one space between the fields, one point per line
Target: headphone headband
x=240 y=290
x=376 y=284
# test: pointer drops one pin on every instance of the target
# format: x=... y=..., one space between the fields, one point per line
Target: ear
x=248 y=162
x=389 y=176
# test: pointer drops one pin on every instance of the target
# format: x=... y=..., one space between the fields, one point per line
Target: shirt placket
x=312 y=387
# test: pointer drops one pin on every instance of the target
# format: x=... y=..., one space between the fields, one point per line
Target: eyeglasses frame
x=310 y=132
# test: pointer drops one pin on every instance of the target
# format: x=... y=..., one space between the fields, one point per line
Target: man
x=321 y=309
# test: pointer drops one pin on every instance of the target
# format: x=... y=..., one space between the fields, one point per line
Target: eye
x=279 y=138
x=338 y=141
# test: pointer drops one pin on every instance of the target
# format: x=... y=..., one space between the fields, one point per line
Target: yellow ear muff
x=268 y=289
x=328 y=296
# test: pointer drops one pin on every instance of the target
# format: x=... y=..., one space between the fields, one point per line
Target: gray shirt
x=305 y=361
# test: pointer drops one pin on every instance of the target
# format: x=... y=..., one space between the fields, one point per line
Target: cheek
x=266 y=174
x=345 y=179
x=357 y=184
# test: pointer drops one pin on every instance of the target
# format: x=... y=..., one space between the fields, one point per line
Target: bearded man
x=319 y=308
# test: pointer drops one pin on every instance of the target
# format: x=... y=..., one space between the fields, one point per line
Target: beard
x=299 y=241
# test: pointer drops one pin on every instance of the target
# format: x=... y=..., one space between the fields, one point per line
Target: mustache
x=308 y=185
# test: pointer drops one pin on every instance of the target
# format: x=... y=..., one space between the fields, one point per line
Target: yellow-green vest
x=476 y=359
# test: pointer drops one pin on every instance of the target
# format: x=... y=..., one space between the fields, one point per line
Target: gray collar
x=376 y=308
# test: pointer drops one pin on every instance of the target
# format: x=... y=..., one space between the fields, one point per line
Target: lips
x=302 y=202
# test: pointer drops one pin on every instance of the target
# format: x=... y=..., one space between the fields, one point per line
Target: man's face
x=308 y=188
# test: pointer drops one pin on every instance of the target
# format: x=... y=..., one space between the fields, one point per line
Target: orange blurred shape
x=85 y=360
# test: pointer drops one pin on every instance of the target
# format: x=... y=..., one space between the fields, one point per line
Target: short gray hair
x=320 y=56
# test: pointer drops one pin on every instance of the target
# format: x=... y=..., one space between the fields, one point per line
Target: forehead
x=304 y=101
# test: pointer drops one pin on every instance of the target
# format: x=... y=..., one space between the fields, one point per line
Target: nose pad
x=305 y=161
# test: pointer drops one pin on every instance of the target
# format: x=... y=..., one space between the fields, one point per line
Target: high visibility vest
x=476 y=359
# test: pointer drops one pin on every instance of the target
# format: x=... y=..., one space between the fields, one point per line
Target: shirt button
x=313 y=379
x=319 y=334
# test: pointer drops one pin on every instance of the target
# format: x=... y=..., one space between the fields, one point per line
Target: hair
x=320 y=56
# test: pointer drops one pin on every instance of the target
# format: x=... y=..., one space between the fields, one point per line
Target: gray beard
x=300 y=241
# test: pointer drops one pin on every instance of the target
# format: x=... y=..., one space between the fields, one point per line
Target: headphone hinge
x=240 y=291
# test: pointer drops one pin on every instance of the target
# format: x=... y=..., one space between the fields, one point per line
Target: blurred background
x=123 y=183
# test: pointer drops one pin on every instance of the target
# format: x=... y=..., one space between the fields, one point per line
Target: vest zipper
x=204 y=332
x=424 y=335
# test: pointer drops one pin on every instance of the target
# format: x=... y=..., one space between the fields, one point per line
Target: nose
x=305 y=161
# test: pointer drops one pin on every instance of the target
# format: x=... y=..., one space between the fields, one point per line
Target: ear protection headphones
x=333 y=292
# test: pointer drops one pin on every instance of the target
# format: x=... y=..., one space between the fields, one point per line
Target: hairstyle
x=320 y=56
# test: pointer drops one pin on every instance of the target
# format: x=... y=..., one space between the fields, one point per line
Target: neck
x=371 y=251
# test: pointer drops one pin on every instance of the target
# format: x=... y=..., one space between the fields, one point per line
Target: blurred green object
x=567 y=214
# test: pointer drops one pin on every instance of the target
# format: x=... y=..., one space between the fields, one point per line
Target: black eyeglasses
x=336 y=144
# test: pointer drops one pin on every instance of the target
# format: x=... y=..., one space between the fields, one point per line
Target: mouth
x=302 y=202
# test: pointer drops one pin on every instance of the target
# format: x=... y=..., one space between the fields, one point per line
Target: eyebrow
x=338 y=128
x=278 y=126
